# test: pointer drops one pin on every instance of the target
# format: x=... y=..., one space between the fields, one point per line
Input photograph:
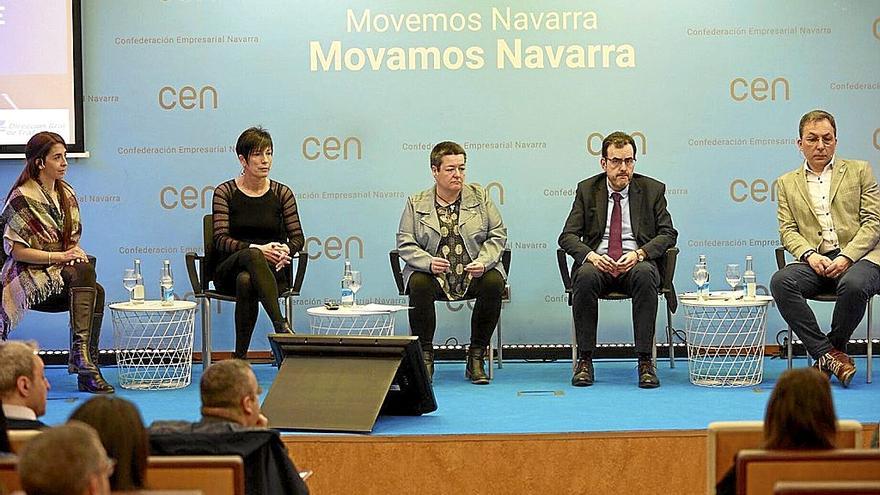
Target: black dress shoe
x=283 y=327
x=647 y=374
x=583 y=373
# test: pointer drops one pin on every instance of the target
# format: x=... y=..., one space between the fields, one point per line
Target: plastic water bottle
x=347 y=298
x=704 y=289
x=749 y=279
x=166 y=284
x=138 y=294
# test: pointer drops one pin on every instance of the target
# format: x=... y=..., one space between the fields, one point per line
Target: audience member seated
x=232 y=423
x=800 y=416
x=4 y=438
x=122 y=432
x=66 y=460
x=23 y=385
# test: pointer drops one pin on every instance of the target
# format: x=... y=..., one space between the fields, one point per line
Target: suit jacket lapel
x=801 y=186
x=636 y=207
x=427 y=213
x=837 y=176
x=600 y=198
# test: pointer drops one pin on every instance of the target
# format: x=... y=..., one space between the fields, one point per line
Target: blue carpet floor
x=529 y=398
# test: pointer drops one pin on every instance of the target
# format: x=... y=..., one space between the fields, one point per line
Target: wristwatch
x=640 y=256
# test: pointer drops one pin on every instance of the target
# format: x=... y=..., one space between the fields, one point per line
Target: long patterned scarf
x=31 y=215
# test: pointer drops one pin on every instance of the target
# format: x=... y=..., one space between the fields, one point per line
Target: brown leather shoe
x=647 y=374
x=839 y=364
x=583 y=373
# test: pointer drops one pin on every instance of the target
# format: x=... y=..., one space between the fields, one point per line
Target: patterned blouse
x=455 y=282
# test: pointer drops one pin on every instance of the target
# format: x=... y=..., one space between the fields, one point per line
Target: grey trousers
x=792 y=285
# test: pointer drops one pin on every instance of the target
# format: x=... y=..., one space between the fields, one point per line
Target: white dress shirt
x=819 y=187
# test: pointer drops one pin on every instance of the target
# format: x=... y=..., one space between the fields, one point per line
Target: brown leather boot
x=82 y=312
x=476 y=366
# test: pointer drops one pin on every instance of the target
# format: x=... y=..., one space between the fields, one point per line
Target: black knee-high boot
x=82 y=312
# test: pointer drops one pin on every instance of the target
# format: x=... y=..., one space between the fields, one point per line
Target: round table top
x=348 y=311
x=724 y=299
x=153 y=305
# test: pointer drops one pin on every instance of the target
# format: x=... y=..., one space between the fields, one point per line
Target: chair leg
x=574 y=346
x=206 y=333
x=499 y=340
x=869 y=367
x=669 y=338
x=491 y=372
x=789 y=347
x=288 y=311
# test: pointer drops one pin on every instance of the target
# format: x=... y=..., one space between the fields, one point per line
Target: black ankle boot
x=82 y=312
x=282 y=327
x=428 y=357
x=476 y=366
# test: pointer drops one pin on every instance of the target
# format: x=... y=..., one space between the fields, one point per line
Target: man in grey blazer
x=617 y=228
x=829 y=220
x=451 y=237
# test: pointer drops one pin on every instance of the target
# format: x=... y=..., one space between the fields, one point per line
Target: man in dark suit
x=23 y=386
x=617 y=228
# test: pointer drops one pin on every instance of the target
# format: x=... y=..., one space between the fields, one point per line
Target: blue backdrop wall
x=356 y=93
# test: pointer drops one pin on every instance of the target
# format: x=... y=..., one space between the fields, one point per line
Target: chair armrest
x=394 y=258
x=562 y=261
x=301 y=264
x=195 y=272
x=669 y=271
x=505 y=260
x=780 y=258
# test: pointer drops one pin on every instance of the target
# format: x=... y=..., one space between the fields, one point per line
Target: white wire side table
x=355 y=320
x=154 y=344
x=725 y=340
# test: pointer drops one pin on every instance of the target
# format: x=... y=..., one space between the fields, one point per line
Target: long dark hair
x=119 y=424
x=800 y=414
x=35 y=153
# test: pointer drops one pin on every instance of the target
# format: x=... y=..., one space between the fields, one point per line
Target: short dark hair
x=800 y=412
x=61 y=460
x=619 y=140
x=814 y=116
x=121 y=429
x=446 y=148
x=253 y=139
x=225 y=383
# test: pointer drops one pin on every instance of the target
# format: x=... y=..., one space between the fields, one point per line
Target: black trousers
x=76 y=275
x=792 y=285
x=641 y=282
x=424 y=290
x=247 y=275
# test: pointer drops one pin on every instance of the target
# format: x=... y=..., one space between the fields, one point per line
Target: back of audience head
x=65 y=460
x=121 y=430
x=800 y=413
x=229 y=389
x=22 y=376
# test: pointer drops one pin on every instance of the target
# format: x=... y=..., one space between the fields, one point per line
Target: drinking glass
x=733 y=275
x=129 y=280
x=701 y=278
x=355 y=284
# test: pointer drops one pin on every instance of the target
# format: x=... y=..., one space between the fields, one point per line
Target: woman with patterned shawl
x=43 y=266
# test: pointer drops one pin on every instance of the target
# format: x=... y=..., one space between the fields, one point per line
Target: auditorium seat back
x=758 y=471
x=9 y=474
x=216 y=475
x=726 y=438
x=827 y=488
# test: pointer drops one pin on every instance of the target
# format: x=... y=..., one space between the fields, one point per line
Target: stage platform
x=528 y=431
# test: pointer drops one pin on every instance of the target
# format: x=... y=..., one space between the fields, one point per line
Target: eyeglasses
x=813 y=140
x=621 y=161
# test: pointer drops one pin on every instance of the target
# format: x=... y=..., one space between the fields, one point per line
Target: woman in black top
x=256 y=228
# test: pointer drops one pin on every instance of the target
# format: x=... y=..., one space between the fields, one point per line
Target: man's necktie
x=615 y=238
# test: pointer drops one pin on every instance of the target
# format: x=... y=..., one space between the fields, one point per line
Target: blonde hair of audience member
x=22 y=376
x=229 y=390
x=121 y=429
x=800 y=414
x=65 y=460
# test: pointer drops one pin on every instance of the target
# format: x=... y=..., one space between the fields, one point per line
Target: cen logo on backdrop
x=758 y=89
x=188 y=97
x=594 y=142
x=332 y=148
